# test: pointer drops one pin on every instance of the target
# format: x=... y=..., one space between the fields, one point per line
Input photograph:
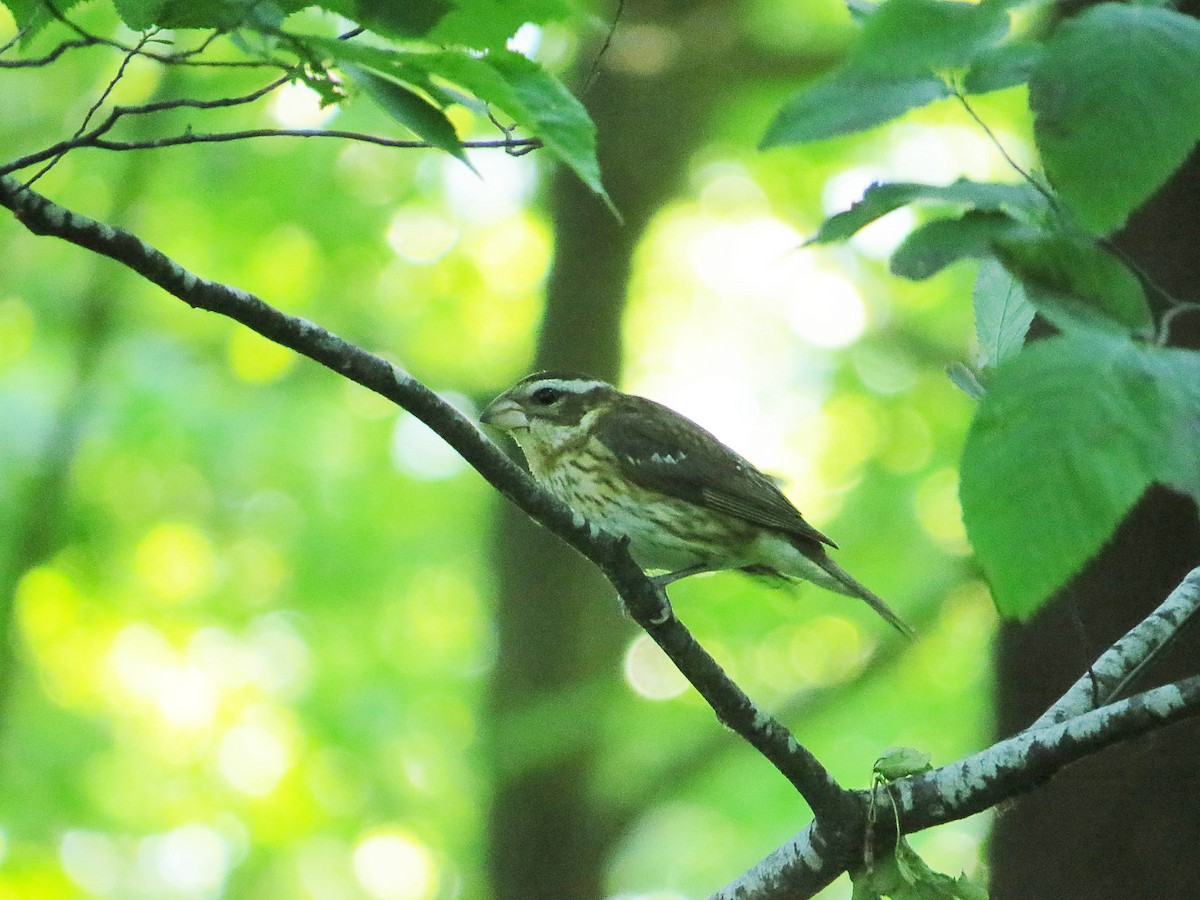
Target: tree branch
x=646 y=604
x=1121 y=663
x=815 y=857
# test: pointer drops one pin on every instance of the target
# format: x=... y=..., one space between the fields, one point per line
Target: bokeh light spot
x=16 y=331
x=256 y=360
x=421 y=235
x=827 y=310
x=419 y=452
x=252 y=759
x=937 y=508
x=392 y=865
x=296 y=105
x=91 y=860
x=175 y=562
x=192 y=859
x=650 y=672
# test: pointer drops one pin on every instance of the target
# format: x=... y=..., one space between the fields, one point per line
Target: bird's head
x=547 y=410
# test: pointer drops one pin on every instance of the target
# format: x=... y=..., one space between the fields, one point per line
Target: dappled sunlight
x=650 y=673
x=420 y=453
x=391 y=864
x=175 y=562
x=818 y=652
x=255 y=360
x=296 y=105
x=938 y=511
x=253 y=757
x=421 y=236
x=879 y=239
x=16 y=330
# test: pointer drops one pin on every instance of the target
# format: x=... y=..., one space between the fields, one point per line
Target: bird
x=685 y=502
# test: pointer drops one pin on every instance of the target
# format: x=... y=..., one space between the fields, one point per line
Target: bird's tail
x=844 y=583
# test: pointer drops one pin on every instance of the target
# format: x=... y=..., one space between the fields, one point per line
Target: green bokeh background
x=254 y=601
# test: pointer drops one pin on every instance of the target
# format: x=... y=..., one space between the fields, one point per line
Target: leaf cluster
x=416 y=61
x=1069 y=433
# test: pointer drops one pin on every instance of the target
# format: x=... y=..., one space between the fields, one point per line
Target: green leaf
x=387 y=17
x=963 y=378
x=1116 y=102
x=881 y=199
x=1002 y=67
x=933 y=246
x=537 y=101
x=139 y=14
x=916 y=36
x=1076 y=282
x=845 y=102
x=508 y=81
x=1002 y=313
x=411 y=110
x=488 y=24
x=32 y=16
x=1071 y=432
x=898 y=762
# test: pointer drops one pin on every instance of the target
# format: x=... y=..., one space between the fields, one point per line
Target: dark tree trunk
x=1126 y=824
x=560 y=628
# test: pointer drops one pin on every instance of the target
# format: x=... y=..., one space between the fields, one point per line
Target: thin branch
x=645 y=603
x=104 y=95
x=1120 y=664
x=182 y=58
x=12 y=41
x=221 y=137
x=42 y=60
x=991 y=135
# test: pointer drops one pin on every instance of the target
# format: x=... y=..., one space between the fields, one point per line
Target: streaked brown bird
x=686 y=502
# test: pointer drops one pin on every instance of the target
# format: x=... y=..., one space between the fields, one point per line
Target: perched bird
x=686 y=502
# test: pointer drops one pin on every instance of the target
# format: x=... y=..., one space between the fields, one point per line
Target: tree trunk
x=1126 y=824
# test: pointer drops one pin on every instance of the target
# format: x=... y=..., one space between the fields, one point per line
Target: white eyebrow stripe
x=567 y=387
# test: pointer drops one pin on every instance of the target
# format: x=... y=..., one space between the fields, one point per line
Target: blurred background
x=275 y=640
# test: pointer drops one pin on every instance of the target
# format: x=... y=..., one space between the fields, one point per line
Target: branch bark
x=646 y=605
x=833 y=842
x=1069 y=731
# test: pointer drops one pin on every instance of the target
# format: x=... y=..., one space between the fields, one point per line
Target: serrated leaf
x=846 y=102
x=31 y=16
x=917 y=36
x=539 y=102
x=139 y=14
x=933 y=246
x=1003 y=313
x=881 y=199
x=1073 y=281
x=386 y=17
x=411 y=110
x=488 y=24
x=965 y=380
x=1071 y=432
x=513 y=84
x=1116 y=103
x=1002 y=67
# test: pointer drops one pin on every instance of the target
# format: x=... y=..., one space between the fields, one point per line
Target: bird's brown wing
x=659 y=449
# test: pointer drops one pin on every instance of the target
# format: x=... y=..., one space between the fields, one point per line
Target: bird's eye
x=544 y=396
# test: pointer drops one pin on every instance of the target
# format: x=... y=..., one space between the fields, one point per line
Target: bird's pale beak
x=504 y=413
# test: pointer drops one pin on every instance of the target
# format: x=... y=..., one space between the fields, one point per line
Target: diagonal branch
x=1121 y=663
x=645 y=603
x=816 y=856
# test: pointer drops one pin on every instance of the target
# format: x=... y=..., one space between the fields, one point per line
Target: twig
x=109 y=88
x=41 y=60
x=183 y=58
